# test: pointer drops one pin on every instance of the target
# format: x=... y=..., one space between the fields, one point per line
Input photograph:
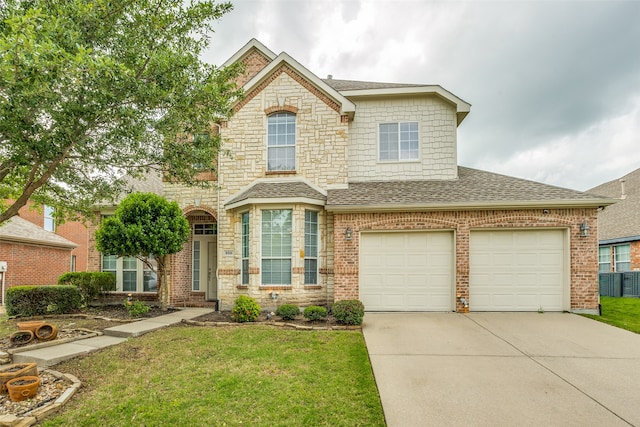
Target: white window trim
x=294 y=145
x=49 y=223
x=242 y=257
x=140 y=268
x=615 y=258
x=291 y=257
x=608 y=262
x=318 y=247
x=393 y=162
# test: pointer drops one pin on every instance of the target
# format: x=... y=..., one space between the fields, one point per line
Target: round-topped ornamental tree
x=148 y=227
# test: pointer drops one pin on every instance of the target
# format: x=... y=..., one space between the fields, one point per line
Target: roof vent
x=329 y=77
x=623 y=193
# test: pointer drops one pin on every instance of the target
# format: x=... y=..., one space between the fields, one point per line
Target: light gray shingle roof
x=473 y=189
x=278 y=190
x=22 y=231
x=341 y=85
x=622 y=219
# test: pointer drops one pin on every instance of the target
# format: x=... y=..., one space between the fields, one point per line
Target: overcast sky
x=554 y=86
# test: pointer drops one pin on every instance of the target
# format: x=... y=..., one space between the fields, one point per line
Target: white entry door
x=205 y=261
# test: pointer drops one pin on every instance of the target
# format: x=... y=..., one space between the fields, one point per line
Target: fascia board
x=38 y=242
x=462 y=107
x=274 y=201
x=549 y=204
x=246 y=48
x=346 y=106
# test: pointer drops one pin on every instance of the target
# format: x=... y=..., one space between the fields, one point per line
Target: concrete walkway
x=503 y=369
x=49 y=356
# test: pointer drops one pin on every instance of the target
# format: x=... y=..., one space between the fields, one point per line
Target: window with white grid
x=281 y=142
x=398 y=141
x=276 y=246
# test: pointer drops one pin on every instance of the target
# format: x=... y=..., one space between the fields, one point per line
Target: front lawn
x=621 y=312
x=244 y=375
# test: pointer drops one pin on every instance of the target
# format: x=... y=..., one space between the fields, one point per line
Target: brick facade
x=33 y=264
x=74 y=231
x=583 y=274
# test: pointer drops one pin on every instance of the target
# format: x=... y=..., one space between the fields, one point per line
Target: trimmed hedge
x=348 y=312
x=91 y=284
x=315 y=312
x=40 y=300
x=288 y=311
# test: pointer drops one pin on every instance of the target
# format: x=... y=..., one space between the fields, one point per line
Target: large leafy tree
x=92 y=91
x=145 y=226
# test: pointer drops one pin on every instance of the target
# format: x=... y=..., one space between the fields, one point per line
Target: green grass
x=621 y=312
x=204 y=376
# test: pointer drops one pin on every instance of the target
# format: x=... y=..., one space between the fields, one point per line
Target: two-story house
x=339 y=189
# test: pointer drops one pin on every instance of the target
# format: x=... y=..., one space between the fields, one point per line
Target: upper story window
x=281 y=142
x=49 y=222
x=201 y=139
x=398 y=141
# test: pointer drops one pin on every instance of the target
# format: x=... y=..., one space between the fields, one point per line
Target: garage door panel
x=406 y=271
x=517 y=270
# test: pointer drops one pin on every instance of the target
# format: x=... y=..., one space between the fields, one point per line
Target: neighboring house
x=33 y=256
x=619 y=225
x=339 y=189
x=75 y=231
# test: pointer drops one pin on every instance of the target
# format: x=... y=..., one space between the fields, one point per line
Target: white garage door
x=520 y=270
x=406 y=271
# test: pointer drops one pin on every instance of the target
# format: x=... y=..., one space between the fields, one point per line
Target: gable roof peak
x=253 y=44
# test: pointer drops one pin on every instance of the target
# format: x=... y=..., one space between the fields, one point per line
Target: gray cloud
x=544 y=78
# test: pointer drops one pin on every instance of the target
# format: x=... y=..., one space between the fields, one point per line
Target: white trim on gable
x=462 y=107
x=346 y=106
x=253 y=43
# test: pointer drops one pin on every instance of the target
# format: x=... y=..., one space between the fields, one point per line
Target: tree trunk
x=163 y=285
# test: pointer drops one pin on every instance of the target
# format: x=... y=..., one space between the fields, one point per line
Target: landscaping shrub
x=288 y=311
x=348 y=312
x=136 y=308
x=90 y=284
x=314 y=312
x=245 y=309
x=40 y=300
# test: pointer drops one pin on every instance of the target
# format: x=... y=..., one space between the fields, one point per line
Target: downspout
x=218 y=212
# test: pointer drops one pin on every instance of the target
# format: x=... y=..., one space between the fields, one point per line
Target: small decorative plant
x=348 y=312
x=136 y=308
x=314 y=312
x=245 y=309
x=288 y=311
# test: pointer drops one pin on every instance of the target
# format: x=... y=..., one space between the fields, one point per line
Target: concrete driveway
x=503 y=369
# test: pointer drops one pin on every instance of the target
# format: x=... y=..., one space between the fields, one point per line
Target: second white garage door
x=517 y=270
x=406 y=271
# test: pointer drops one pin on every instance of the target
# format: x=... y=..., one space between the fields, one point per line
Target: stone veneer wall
x=321 y=153
x=583 y=273
x=437 y=132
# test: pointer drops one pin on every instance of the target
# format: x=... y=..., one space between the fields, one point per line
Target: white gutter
x=470 y=206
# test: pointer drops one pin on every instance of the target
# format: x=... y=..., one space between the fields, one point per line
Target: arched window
x=281 y=142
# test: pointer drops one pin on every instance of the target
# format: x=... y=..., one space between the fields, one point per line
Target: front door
x=204 y=266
